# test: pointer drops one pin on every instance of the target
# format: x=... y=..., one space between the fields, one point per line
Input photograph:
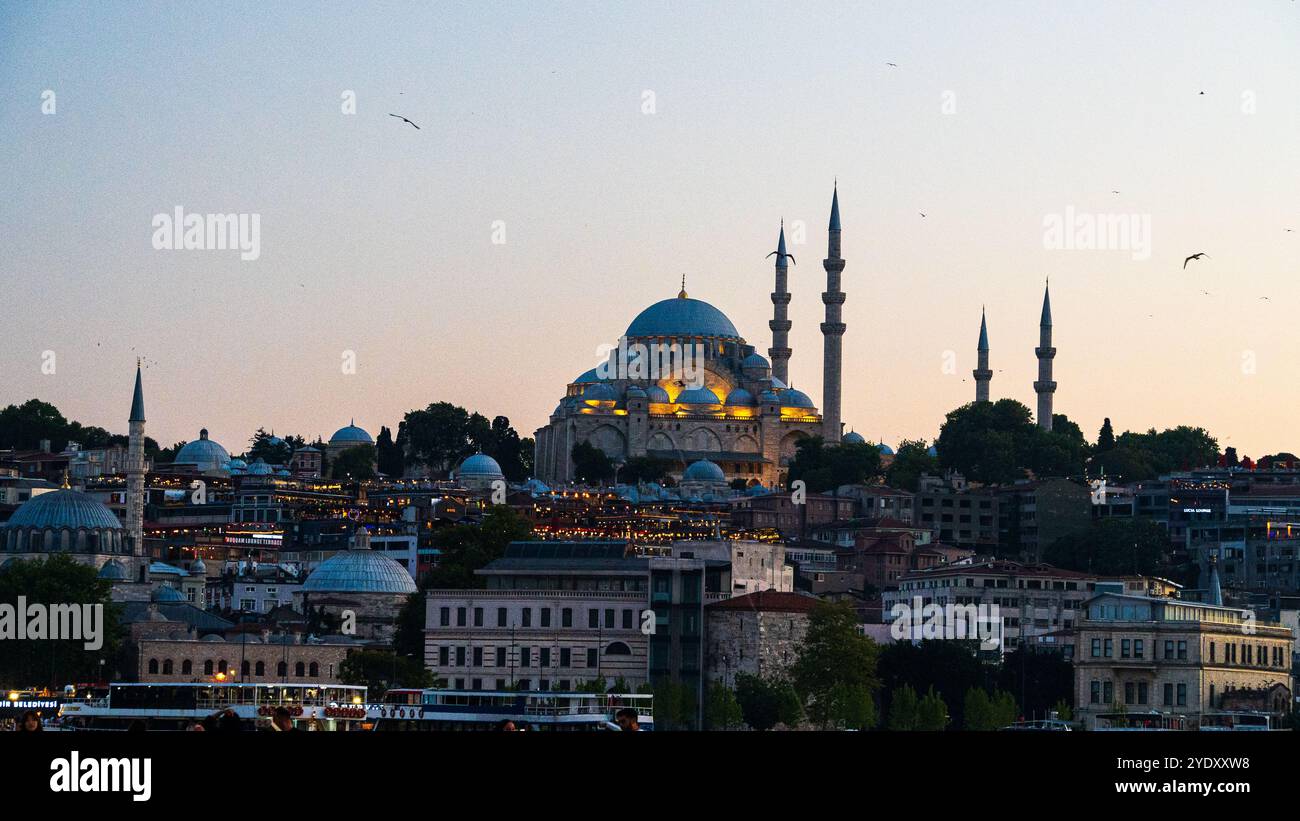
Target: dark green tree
x=1105 y=437
x=903 y=709
x=356 y=464
x=590 y=464
x=836 y=659
x=1112 y=547
x=932 y=713
x=765 y=702
x=911 y=459
x=389 y=455
x=468 y=547
x=721 y=708
x=383 y=670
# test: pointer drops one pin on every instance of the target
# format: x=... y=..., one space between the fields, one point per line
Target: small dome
x=359 y=571
x=769 y=397
x=198 y=568
x=352 y=435
x=113 y=571
x=885 y=450
x=853 y=438
x=259 y=467
x=755 y=361
x=792 y=398
x=697 y=396
x=657 y=394
x=704 y=471
x=167 y=593
x=212 y=637
x=600 y=392
x=238 y=464
x=480 y=464
x=635 y=392
x=931 y=451
x=536 y=486
x=587 y=377
x=203 y=453
x=63 y=508
x=740 y=396
x=756 y=490
x=283 y=472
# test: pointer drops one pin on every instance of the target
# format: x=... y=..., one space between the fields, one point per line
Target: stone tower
x=779 y=353
x=1045 y=387
x=982 y=373
x=135 y=480
x=832 y=328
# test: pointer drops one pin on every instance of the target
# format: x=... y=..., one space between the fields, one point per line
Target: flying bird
x=403 y=119
x=1192 y=257
x=895 y=65
x=922 y=213
x=780 y=255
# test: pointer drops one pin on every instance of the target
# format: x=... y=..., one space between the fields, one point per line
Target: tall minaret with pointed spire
x=1045 y=387
x=832 y=328
x=135 y=479
x=982 y=373
x=779 y=353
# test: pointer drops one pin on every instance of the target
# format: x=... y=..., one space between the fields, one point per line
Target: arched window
x=187 y=667
x=282 y=669
x=153 y=667
x=300 y=669
x=207 y=667
x=260 y=669
x=167 y=667
x=314 y=670
x=618 y=648
x=244 y=668
x=221 y=666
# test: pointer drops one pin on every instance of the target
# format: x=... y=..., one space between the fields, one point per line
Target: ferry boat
x=542 y=710
x=1219 y=721
x=174 y=706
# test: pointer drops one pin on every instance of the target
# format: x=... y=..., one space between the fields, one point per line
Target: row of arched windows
x=258 y=669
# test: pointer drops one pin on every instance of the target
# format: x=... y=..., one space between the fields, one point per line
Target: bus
x=538 y=710
x=174 y=706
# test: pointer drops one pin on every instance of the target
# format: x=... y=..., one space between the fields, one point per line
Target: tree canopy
x=441 y=436
x=998 y=443
x=835 y=673
x=1112 y=547
x=825 y=467
x=911 y=459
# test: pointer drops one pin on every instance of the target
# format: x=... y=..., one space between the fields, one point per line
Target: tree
x=270 y=448
x=1105 y=437
x=834 y=655
x=951 y=667
x=910 y=461
x=826 y=467
x=383 y=670
x=1005 y=711
x=61 y=581
x=1063 y=710
x=979 y=711
x=468 y=547
x=644 y=469
x=389 y=455
x=852 y=706
x=765 y=702
x=356 y=463
x=722 y=708
x=1040 y=679
x=1111 y=547
x=998 y=443
x=590 y=464
x=408 y=640
x=932 y=713
x=674 y=705
x=436 y=437
x=903 y=709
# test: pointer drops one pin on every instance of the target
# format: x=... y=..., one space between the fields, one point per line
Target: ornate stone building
x=684 y=385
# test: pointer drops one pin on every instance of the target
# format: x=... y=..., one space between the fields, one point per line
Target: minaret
x=779 y=353
x=1045 y=387
x=135 y=479
x=982 y=373
x=832 y=328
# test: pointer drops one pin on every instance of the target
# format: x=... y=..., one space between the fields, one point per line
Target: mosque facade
x=683 y=385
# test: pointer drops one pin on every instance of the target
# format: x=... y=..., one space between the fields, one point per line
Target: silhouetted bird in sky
x=1192 y=257
x=403 y=119
x=779 y=254
x=922 y=213
x=895 y=65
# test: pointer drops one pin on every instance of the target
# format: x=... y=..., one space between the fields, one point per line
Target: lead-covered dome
x=352 y=435
x=703 y=471
x=66 y=508
x=792 y=398
x=203 y=453
x=697 y=396
x=359 y=570
x=682 y=316
x=853 y=438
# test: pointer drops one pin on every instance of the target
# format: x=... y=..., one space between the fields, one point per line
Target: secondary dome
x=480 y=464
x=66 y=508
x=657 y=394
x=682 y=316
x=203 y=453
x=885 y=450
x=792 y=398
x=740 y=396
x=351 y=435
x=359 y=571
x=853 y=438
x=600 y=392
x=703 y=471
x=755 y=360
x=697 y=396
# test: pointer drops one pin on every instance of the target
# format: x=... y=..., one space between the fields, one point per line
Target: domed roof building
x=203 y=454
x=684 y=386
x=373 y=586
x=260 y=468
x=349 y=436
x=853 y=438
x=478 y=472
x=703 y=480
x=64 y=521
x=885 y=450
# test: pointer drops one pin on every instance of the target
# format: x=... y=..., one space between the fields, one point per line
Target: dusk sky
x=377 y=237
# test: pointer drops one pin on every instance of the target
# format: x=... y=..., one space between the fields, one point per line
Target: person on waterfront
x=30 y=722
x=628 y=719
x=229 y=722
x=506 y=725
x=282 y=721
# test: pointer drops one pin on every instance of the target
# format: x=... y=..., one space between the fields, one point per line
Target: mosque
x=739 y=413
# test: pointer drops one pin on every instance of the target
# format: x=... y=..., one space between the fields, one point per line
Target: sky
x=574 y=160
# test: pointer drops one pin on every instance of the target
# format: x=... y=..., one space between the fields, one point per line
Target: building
x=778 y=511
x=1033 y=515
x=754 y=566
x=682 y=385
x=203 y=455
x=759 y=634
x=345 y=438
x=358 y=584
x=958 y=514
x=1138 y=654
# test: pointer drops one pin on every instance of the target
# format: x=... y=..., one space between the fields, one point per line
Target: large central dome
x=682 y=316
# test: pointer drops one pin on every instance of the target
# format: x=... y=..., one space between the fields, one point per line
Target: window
x=564 y=658
x=478 y=657
x=444 y=656
x=1125 y=651
x=1110 y=648
x=501 y=657
x=478 y=616
x=525 y=656
x=1182 y=655
x=1169 y=649
x=460 y=656
x=1130 y=693
x=259 y=669
x=527 y=614
x=1096 y=652
x=1138 y=649
x=1143 y=692
x=460 y=617
x=592 y=660
x=627 y=619
x=1169 y=694
x=282 y=669
x=1095 y=692
x=444 y=616
x=300 y=669
x=187 y=667
x=501 y=617
x=153 y=667
x=566 y=617
x=546 y=657
x=593 y=618
x=546 y=617
x=609 y=618
x=1108 y=692
x=1182 y=695
x=313 y=670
